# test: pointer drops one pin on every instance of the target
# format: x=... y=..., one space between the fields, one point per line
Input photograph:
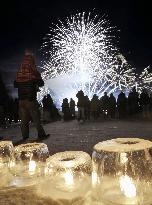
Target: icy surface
x=75 y=136
x=31 y=196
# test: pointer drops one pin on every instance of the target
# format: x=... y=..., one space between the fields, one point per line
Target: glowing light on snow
x=80 y=54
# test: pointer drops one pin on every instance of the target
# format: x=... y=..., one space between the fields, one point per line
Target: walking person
x=28 y=80
x=133 y=102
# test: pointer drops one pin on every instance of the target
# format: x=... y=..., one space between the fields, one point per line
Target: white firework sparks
x=80 y=55
x=144 y=80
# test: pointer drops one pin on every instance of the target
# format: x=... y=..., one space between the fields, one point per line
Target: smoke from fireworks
x=79 y=54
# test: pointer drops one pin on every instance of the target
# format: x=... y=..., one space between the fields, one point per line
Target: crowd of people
x=48 y=110
x=108 y=106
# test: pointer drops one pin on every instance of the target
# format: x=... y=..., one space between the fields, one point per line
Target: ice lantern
x=68 y=176
x=29 y=163
x=6 y=156
x=122 y=171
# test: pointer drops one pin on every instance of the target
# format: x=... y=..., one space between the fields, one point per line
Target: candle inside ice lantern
x=68 y=176
x=29 y=163
x=127 y=186
x=6 y=156
x=122 y=170
x=32 y=167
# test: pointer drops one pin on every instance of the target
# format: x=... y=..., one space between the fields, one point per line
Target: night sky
x=25 y=23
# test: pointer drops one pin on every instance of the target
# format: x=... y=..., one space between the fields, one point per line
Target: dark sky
x=24 y=24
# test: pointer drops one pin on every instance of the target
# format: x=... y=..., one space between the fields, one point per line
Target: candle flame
x=68 y=176
x=127 y=186
x=11 y=164
x=32 y=166
x=123 y=158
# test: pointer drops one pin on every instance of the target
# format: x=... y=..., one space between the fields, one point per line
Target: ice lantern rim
x=30 y=147
x=69 y=159
x=120 y=145
x=31 y=150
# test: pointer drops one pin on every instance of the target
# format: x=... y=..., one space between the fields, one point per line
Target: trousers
x=28 y=110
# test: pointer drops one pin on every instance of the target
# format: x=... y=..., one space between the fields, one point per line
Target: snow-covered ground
x=75 y=136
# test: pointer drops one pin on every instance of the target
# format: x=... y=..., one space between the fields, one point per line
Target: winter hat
x=28 y=70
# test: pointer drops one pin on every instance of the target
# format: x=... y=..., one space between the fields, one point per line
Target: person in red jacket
x=28 y=80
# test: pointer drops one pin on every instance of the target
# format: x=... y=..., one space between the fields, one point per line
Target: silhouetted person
x=122 y=105
x=87 y=107
x=28 y=81
x=81 y=105
x=112 y=106
x=66 y=110
x=133 y=102
x=145 y=103
x=72 y=108
x=46 y=113
x=105 y=104
x=55 y=113
x=94 y=107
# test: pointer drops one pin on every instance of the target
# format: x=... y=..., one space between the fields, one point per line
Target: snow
x=75 y=136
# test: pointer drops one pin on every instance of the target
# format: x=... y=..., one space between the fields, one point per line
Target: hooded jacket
x=28 y=79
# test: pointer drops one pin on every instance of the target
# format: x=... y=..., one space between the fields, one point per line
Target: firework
x=79 y=54
x=144 y=80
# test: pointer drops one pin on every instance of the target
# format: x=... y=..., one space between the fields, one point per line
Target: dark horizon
x=24 y=24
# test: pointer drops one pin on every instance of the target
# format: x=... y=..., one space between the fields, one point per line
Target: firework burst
x=144 y=80
x=80 y=51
